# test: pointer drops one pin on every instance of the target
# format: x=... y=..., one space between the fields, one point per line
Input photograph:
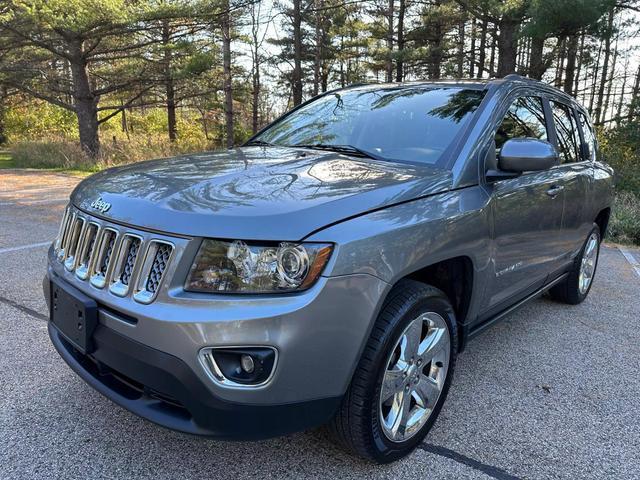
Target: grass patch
x=6 y=160
x=67 y=155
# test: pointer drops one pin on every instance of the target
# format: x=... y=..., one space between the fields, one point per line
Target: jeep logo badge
x=100 y=205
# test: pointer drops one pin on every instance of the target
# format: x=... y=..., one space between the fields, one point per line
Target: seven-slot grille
x=107 y=256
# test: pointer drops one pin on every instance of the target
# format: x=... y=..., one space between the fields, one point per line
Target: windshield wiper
x=259 y=143
x=350 y=149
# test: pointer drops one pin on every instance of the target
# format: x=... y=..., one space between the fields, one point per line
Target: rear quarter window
x=589 y=137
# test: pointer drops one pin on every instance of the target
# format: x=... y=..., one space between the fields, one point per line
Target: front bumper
x=161 y=388
x=146 y=356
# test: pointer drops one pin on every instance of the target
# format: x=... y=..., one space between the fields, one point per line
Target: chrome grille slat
x=155 y=264
x=104 y=252
x=111 y=255
x=125 y=262
x=86 y=252
x=75 y=238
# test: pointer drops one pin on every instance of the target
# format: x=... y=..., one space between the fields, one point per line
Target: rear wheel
x=578 y=283
x=403 y=377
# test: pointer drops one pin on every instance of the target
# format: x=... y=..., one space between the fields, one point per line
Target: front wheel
x=575 y=288
x=403 y=376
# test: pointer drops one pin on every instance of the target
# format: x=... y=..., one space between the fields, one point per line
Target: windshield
x=415 y=124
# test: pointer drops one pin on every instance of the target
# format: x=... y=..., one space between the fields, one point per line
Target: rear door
x=576 y=170
x=527 y=213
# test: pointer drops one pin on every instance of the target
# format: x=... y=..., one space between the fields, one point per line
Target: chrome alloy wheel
x=414 y=376
x=588 y=263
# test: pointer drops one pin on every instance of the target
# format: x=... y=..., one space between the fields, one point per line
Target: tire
x=361 y=425
x=571 y=290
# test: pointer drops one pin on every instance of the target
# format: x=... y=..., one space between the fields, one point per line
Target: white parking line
x=24 y=247
x=631 y=259
x=33 y=202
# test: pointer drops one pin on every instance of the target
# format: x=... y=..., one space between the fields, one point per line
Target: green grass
x=6 y=161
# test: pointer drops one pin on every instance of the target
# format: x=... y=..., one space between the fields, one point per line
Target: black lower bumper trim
x=163 y=389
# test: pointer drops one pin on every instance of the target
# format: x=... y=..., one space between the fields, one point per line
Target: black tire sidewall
x=386 y=450
x=579 y=297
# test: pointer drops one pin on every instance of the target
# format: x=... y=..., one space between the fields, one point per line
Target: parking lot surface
x=551 y=392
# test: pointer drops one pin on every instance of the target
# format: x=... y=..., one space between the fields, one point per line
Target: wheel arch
x=602 y=220
x=455 y=277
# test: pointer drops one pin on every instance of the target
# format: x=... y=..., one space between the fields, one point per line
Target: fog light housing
x=244 y=367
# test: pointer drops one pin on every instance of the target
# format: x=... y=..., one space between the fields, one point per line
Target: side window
x=525 y=119
x=589 y=136
x=567 y=131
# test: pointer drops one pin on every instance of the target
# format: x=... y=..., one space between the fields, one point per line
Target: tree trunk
x=483 y=47
x=226 y=70
x=607 y=99
x=562 y=44
x=622 y=92
x=536 y=62
x=507 y=47
x=317 y=61
x=255 y=69
x=605 y=68
x=570 y=69
x=472 y=50
x=494 y=44
x=399 y=62
x=595 y=80
x=168 y=82
x=389 y=63
x=85 y=102
x=460 y=57
x=635 y=97
x=297 y=54
x=579 y=59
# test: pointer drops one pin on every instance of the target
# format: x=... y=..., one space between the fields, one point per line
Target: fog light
x=246 y=361
x=239 y=366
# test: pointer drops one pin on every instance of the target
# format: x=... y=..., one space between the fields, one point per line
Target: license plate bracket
x=74 y=314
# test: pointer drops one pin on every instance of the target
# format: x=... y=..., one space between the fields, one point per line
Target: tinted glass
x=409 y=123
x=567 y=131
x=525 y=119
x=589 y=137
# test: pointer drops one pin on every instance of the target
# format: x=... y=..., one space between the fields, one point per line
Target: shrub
x=624 y=226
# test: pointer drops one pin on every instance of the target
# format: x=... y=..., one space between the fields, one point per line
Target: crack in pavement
x=22 y=308
x=490 y=470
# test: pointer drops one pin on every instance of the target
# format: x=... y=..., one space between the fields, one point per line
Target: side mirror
x=527 y=155
x=523 y=155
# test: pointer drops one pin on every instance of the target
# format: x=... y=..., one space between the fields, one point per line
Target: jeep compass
x=330 y=270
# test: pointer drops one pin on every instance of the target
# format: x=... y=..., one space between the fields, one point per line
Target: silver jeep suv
x=331 y=269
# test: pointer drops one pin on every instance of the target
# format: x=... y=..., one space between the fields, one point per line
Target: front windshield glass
x=414 y=124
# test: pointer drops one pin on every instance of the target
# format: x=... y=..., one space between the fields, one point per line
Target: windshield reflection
x=411 y=123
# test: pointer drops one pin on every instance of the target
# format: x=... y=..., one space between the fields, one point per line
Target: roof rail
x=515 y=76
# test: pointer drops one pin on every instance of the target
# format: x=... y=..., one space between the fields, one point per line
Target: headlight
x=245 y=267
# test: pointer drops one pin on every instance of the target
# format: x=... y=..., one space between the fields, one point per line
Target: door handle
x=555 y=190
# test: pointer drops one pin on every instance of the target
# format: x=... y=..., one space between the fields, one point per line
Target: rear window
x=415 y=124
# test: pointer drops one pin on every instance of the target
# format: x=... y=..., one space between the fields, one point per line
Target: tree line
x=241 y=62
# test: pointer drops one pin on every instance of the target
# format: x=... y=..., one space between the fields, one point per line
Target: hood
x=253 y=193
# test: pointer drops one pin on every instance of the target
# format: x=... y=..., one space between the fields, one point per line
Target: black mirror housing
x=527 y=154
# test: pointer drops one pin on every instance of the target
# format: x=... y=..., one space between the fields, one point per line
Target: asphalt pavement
x=551 y=392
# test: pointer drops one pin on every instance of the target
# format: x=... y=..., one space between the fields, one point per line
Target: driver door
x=527 y=215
